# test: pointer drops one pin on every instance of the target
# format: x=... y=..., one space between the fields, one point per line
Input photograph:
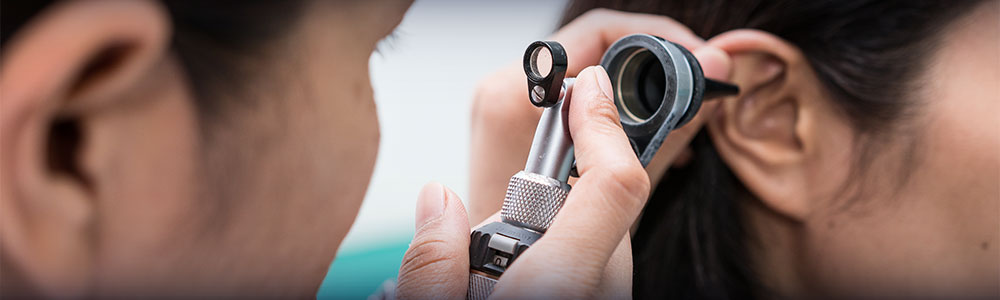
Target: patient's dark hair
x=692 y=239
x=216 y=41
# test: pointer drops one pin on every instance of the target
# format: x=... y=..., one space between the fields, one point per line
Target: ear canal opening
x=63 y=149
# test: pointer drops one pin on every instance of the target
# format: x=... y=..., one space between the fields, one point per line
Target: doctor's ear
x=781 y=131
x=63 y=72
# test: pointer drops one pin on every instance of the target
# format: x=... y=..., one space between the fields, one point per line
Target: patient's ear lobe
x=768 y=135
x=61 y=72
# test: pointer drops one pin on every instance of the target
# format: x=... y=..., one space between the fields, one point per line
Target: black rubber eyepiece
x=544 y=88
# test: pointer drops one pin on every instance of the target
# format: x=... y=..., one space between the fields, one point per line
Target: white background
x=424 y=80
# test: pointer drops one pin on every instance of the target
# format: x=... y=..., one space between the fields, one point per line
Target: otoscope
x=658 y=87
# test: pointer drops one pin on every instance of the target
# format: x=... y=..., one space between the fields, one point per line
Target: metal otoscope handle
x=658 y=87
x=536 y=194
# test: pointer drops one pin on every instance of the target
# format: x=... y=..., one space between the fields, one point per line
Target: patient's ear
x=65 y=68
x=780 y=126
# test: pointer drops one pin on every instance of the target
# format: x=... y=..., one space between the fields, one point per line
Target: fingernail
x=430 y=203
x=604 y=82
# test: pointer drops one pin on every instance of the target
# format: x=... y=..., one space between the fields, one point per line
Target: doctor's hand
x=503 y=120
x=585 y=252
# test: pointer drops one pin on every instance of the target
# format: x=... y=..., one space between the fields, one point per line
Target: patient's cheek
x=937 y=234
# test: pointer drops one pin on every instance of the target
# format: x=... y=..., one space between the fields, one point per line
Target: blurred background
x=424 y=78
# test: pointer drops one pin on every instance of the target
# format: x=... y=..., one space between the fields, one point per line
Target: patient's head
x=183 y=147
x=859 y=159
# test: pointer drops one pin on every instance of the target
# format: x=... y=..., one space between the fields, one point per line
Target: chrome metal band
x=480 y=286
x=533 y=200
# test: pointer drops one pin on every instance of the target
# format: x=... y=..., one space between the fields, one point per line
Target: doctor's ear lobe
x=768 y=134
x=62 y=72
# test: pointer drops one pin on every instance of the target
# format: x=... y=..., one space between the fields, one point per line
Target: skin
x=563 y=264
x=255 y=202
x=503 y=125
x=155 y=201
x=152 y=200
x=934 y=235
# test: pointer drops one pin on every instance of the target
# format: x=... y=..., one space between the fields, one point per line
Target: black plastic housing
x=481 y=255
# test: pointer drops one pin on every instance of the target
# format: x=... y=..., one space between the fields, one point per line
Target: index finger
x=588 y=36
x=571 y=259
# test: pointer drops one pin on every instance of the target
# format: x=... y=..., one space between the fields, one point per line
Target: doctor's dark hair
x=692 y=240
x=217 y=41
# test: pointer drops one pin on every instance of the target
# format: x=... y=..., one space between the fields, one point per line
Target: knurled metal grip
x=534 y=195
x=480 y=286
x=649 y=106
x=533 y=200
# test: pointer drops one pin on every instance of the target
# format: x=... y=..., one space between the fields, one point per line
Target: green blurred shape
x=357 y=273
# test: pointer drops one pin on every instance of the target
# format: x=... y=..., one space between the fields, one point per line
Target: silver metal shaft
x=535 y=195
x=551 y=153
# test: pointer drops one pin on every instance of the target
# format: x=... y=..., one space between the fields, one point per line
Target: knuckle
x=592 y=15
x=597 y=13
x=673 y=22
x=631 y=182
x=496 y=108
x=632 y=178
x=603 y=110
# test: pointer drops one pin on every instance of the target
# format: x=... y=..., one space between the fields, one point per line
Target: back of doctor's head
x=183 y=148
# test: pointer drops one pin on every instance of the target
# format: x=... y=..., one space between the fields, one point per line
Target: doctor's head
x=183 y=147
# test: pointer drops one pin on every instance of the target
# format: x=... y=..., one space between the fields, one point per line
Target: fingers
x=571 y=259
x=503 y=120
x=587 y=37
x=715 y=62
x=613 y=186
x=575 y=258
x=502 y=125
x=436 y=266
x=616 y=282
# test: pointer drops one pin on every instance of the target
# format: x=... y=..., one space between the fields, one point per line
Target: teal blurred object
x=357 y=273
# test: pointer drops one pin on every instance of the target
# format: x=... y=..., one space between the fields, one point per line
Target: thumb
x=570 y=259
x=613 y=185
x=436 y=266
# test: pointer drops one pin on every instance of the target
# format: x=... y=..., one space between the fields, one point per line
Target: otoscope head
x=658 y=87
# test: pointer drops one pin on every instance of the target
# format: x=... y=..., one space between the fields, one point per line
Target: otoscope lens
x=651 y=85
x=641 y=84
x=541 y=61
